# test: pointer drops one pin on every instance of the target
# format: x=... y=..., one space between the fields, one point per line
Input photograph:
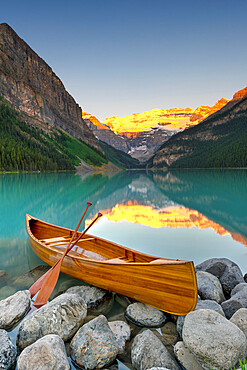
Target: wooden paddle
x=38 y=284
x=51 y=279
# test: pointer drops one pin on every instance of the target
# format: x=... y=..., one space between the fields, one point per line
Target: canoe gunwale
x=163 y=261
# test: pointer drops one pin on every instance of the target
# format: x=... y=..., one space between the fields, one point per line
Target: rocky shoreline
x=78 y=327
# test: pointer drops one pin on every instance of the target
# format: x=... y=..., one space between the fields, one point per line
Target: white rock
x=13 y=308
x=45 y=354
x=148 y=351
x=8 y=352
x=98 y=301
x=240 y=319
x=209 y=287
x=94 y=346
x=214 y=340
x=122 y=333
x=144 y=315
x=185 y=357
x=62 y=316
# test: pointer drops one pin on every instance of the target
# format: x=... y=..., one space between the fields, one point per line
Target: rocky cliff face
x=218 y=137
x=104 y=133
x=30 y=85
x=140 y=145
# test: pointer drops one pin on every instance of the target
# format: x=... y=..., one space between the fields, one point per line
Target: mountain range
x=43 y=128
x=141 y=134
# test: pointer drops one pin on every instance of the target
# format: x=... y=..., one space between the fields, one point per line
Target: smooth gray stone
x=169 y=336
x=185 y=357
x=227 y=271
x=94 y=345
x=8 y=352
x=148 y=351
x=238 y=288
x=98 y=301
x=237 y=301
x=45 y=354
x=144 y=315
x=239 y=318
x=13 y=308
x=209 y=287
x=206 y=304
x=214 y=340
x=122 y=333
x=62 y=316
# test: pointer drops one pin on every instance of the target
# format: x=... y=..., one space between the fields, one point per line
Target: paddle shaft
x=51 y=279
x=37 y=285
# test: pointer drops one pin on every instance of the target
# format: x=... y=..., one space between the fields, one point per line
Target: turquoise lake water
x=191 y=215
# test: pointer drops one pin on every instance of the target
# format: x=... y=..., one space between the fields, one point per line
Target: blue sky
x=123 y=57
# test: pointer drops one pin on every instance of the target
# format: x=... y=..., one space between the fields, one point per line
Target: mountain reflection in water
x=180 y=214
x=171 y=216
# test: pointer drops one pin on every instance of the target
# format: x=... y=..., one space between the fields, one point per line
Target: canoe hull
x=169 y=285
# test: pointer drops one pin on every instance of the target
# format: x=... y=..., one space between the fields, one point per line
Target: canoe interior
x=57 y=239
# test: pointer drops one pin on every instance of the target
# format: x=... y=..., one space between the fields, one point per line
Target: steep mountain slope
x=27 y=148
x=218 y=141
x=30 y=85
x=104 y=133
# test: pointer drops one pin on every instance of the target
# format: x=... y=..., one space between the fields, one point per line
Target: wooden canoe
x=166 y=284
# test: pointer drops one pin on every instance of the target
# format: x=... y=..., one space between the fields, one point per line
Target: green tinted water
x=192 y=215
x=184 y=214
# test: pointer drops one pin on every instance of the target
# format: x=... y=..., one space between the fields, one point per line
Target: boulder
x=143 y=315
x=147 y=351
x=238 y=300
x=206 y=304
x=26 y=280
x=6 y=291
x=13 y=308
x=169 y=336
x=98 y=301
x=8 y=352
x=3 y=277
x=215 y=341
x=122 y=333
x=45 y=354
x=238 y=288
x=185 y=357
x=94 y=345
x=62 y=316
x=209 y=287
x=245 y=277
x=239 y=318
x=225 y=270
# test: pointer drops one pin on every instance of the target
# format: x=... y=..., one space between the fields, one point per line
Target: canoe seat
x=116 y=260
x=157 y=261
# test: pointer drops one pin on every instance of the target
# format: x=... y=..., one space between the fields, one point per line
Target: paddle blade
x=48 y=285
x=38 y=284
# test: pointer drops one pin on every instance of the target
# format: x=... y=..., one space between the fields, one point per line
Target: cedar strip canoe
x=166 y=284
